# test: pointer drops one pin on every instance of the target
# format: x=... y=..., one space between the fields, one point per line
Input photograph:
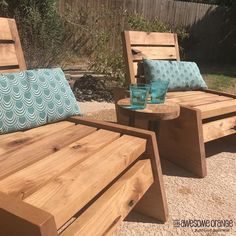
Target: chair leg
x=181 y=141
x=154 y=202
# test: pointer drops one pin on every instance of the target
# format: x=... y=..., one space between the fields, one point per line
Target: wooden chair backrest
x=11 y=54
x=138 y=45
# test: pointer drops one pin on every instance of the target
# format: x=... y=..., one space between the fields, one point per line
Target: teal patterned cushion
x=35 y=97
x=181 y=75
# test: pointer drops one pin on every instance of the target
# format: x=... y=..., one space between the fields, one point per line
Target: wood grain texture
x=138 y=45
x=127 y=151
x=19 y=218
x=113 y=206
x=192 y=97
x=11 y=54
x=8 y=55
x=177 y=47
x=95 y=173
x=189 y=94
x=219 y=128
x=155 y=112
x=111 y=126
x=154 y=203
x=220 y=93
x=217 y=108
x=204 y=101
x=181 y=141
x=19 y=159
x=130 y=73
x=154 y=53
x=151 y=38
x=14 y=141
x=5 y=32
x=26 y=181
x=18 y=47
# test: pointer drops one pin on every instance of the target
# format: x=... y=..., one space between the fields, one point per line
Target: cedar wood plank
x=26 y=181
x=96 y=172
x=114 y=205
x=154 y=202
x=19 y=159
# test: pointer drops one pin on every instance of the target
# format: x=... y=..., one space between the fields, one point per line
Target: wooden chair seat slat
x=199 y=99
x=82 y=183
x=115 y=204
x=192 y=97
x=9 y=143
x=219 y=128
x=204 y=101
x=49 y=128
x=23 y=157
x=217 y=109
x=183 y=94
x=30 y=179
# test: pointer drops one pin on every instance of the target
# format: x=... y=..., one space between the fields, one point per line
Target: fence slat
x=200 y=19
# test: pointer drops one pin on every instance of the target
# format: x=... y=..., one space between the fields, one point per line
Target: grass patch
x=221 y=78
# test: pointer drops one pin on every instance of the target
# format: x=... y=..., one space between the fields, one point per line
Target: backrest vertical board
x=152 y=45
x=11 y=53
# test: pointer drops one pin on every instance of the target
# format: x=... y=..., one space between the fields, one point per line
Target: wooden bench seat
x=83 y=167
x=209 y=104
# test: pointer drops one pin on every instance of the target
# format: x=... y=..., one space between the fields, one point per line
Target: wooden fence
x=212 y=28
x=169 y=11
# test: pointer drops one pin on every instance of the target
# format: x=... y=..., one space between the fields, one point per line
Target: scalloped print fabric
x=181 y=75
x=33 y=98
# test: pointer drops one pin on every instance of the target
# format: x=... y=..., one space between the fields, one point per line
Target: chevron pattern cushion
x=33 y=98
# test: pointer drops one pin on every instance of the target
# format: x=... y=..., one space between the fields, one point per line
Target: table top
x=165 y=111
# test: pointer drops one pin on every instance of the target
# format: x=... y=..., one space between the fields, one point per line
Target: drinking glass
x=138 y=95
x=158 y=91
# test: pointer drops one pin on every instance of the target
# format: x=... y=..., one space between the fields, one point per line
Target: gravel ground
x=91 y=107
x=211 y=198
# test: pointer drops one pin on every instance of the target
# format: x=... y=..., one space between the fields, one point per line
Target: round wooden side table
x=150 y=117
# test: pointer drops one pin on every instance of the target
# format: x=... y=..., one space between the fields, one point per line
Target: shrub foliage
x=51 y=39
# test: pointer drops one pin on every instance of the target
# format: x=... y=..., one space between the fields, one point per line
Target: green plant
x=93 y=37
x=41 y=30
x=109 y=60
x=3 y=6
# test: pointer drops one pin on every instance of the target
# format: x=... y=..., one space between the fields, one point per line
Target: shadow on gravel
x=226 y=144
x=139 y=218
x=170 y=169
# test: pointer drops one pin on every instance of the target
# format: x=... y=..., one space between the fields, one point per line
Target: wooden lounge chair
x=78 y=175
x=205 y=115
